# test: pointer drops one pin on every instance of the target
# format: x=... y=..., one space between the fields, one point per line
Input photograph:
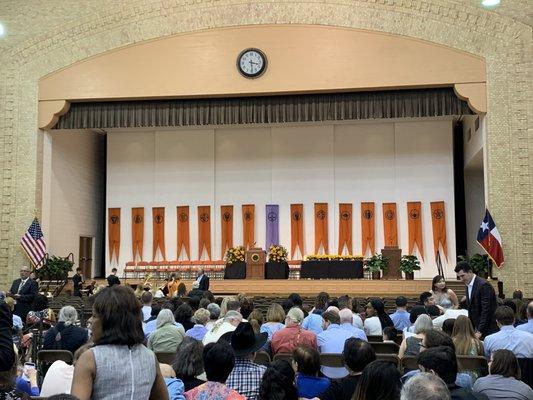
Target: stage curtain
x=321 y=227
x=226 y=228
x=137 y=232
x=407 y=103
x=414 y=224
x=113 y=226
x=390 y=224
x=182 y=213
x=158 y=240
x=345 y=227
x=248 y=225
x=297 y=229
x=368 y=228
x=204 y=231
x=438 y=222
x=272 y=225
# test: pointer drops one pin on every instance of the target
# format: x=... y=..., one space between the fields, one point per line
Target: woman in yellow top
x=172 y=285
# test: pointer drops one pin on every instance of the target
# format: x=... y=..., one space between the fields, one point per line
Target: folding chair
x=331 y=360
x=375 y=339
x=393 y=358
x=165 y=357
x=409 y=363
x=283 y=356
x=385 y=348
x=473 y=363
x=262 y=358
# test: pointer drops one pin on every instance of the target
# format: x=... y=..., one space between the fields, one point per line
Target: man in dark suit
x=77 y=281
x=203 y=280
x=23 y=290
x=112 y=279
x=481 y=300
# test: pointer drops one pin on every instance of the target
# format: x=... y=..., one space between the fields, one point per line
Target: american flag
x=33 y=243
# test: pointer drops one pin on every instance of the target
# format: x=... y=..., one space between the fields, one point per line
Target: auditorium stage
x=310 y=287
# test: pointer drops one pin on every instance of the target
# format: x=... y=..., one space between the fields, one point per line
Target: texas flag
x=489 y=238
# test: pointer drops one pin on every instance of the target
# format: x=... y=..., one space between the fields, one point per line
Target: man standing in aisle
x=112 y=279
x=23 y=290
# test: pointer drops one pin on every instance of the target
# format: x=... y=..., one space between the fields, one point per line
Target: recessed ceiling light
x=2 y=30
x=490 y=3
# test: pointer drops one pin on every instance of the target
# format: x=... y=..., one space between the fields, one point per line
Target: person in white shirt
x=377 y=318
x=146 y=299
x=450 y=313
x=227 y=324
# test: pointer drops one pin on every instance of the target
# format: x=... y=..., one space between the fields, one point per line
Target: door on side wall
x=85 y=261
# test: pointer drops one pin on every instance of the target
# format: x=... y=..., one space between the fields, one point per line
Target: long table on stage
x=272 y=270
x=331 y=270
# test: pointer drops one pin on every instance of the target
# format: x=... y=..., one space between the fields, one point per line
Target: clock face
x=251 y=63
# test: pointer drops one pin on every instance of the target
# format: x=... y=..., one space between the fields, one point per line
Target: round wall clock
x=251 y=63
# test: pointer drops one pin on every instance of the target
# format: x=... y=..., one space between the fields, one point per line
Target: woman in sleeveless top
x=118 y=367
x=444 y=297
x=411 y=345
x=465 y=341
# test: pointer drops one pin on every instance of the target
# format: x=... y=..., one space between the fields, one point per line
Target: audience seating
x=165 y=358
x=390 y=357
x=283 y=356
x=526 y=368
x=49 y=356
x=385 y=348
x=375 y=339
x=262 y=358
x=473 y=363
x=409 y=363
x=331 y=360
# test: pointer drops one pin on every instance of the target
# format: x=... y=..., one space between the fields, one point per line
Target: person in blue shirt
x=528 y=326
x=313 y=322
x=346 y=322
x=400 y=317
x=508 y=338
x=306 y=363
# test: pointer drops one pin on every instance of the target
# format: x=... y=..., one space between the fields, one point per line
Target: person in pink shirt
x=288 y=338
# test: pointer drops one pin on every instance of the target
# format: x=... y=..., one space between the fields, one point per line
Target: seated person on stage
x=528 y=326
x=442 y=361
x=504 y=379
x=306 y=363
x=313 y=322
x=112 y=279
x=66 y=335
x=227 y=324
x=275 y=317
x=356 y=355
x=286 y=339
x=390 y=335
x=195 y=291
x=411 y=345
x=331 y=341
x=509 y=338
x=400 y=317
x=346 y=320
x=172 y=285
x=377 y=318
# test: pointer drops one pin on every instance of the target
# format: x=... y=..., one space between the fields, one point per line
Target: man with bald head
x=23 y=290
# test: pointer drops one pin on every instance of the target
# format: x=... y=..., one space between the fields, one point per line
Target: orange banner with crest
x=438 y=222
x=226 y=228
x=248 y=226
x=182 y=215
x=414 y=224
x=204 y=231
x=345 y=227
x=113 y=226
x=137 y=232
x=297 y=229
x=158 y=239
x=321 y=227
x=390 y=224
x=368 y=228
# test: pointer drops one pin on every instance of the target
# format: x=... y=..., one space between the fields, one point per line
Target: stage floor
x=309 y=287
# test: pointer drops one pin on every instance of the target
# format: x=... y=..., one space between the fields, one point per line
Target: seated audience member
x=278 y=382
x=503 y=381
x=183 y=315
x=377 y=318
x=58 y=378
x=195 y=290
x=151 y=323
x=219 y=360
x=222 y=326
x=200 y=318
x=246 y=375
x=509 y=338
x=287 y=304
x=447 y=326
x=346 y=303
x=204 y=302
x=390 y=335
x=167 y=336
x=235 y=305
x=450 y=313
x=214 y=315
x=26 y=381
x=306 y=363
x=411 y=345
x=415 y=312
x=146 y=299
x=313 y=322
x=296 y=300
x=275 y=317
x=256 y=319
x=175 y=386
x=444 y=297
x=428 y=301
x=188 y=364
x=518 y=307
x=286 y=339
x=112 y=279
x=425 y=386
x=400 y=317
x=465 y=341
x=379 y=380
x=40 y=313
x=17 y=321
x=441 y=360
x=346 y=323
x=247 y=306
x=331 y=340
x=528 y=326
x=117 y=335
x=66 y=335
x=356 y=355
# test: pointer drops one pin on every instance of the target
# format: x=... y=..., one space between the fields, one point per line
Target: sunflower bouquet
x=277 y=253
x=334 y=257
x=235 y=254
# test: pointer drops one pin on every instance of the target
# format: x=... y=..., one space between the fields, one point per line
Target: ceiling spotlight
x=490 y=3
x=2 y=30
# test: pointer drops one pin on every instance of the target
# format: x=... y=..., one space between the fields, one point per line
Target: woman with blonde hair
x=274 y=320
x=411 y=345
x=466 y=342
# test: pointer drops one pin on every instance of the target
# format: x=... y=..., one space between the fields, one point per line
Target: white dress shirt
x=373 y=326
x=470 y=287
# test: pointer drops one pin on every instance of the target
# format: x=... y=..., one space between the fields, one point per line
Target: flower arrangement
x=334 y=257
x=277 y=253
x=235 y=254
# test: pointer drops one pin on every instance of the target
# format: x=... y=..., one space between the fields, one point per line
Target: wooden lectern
x=255 y=259
x=394 y=255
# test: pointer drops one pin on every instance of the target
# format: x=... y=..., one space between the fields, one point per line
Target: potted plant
x=409 y=264
x=480 y=265
x=55 y=268
x=376 y=264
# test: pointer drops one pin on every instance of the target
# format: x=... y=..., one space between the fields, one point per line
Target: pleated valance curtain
x=265 y=109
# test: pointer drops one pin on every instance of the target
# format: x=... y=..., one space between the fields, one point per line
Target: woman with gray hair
x=214 y=315
x=66 y=335
x=411 y=344
x=167 y=335
x=188 y=363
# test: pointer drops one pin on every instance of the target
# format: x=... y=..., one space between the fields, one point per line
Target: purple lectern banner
x=272 y=225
